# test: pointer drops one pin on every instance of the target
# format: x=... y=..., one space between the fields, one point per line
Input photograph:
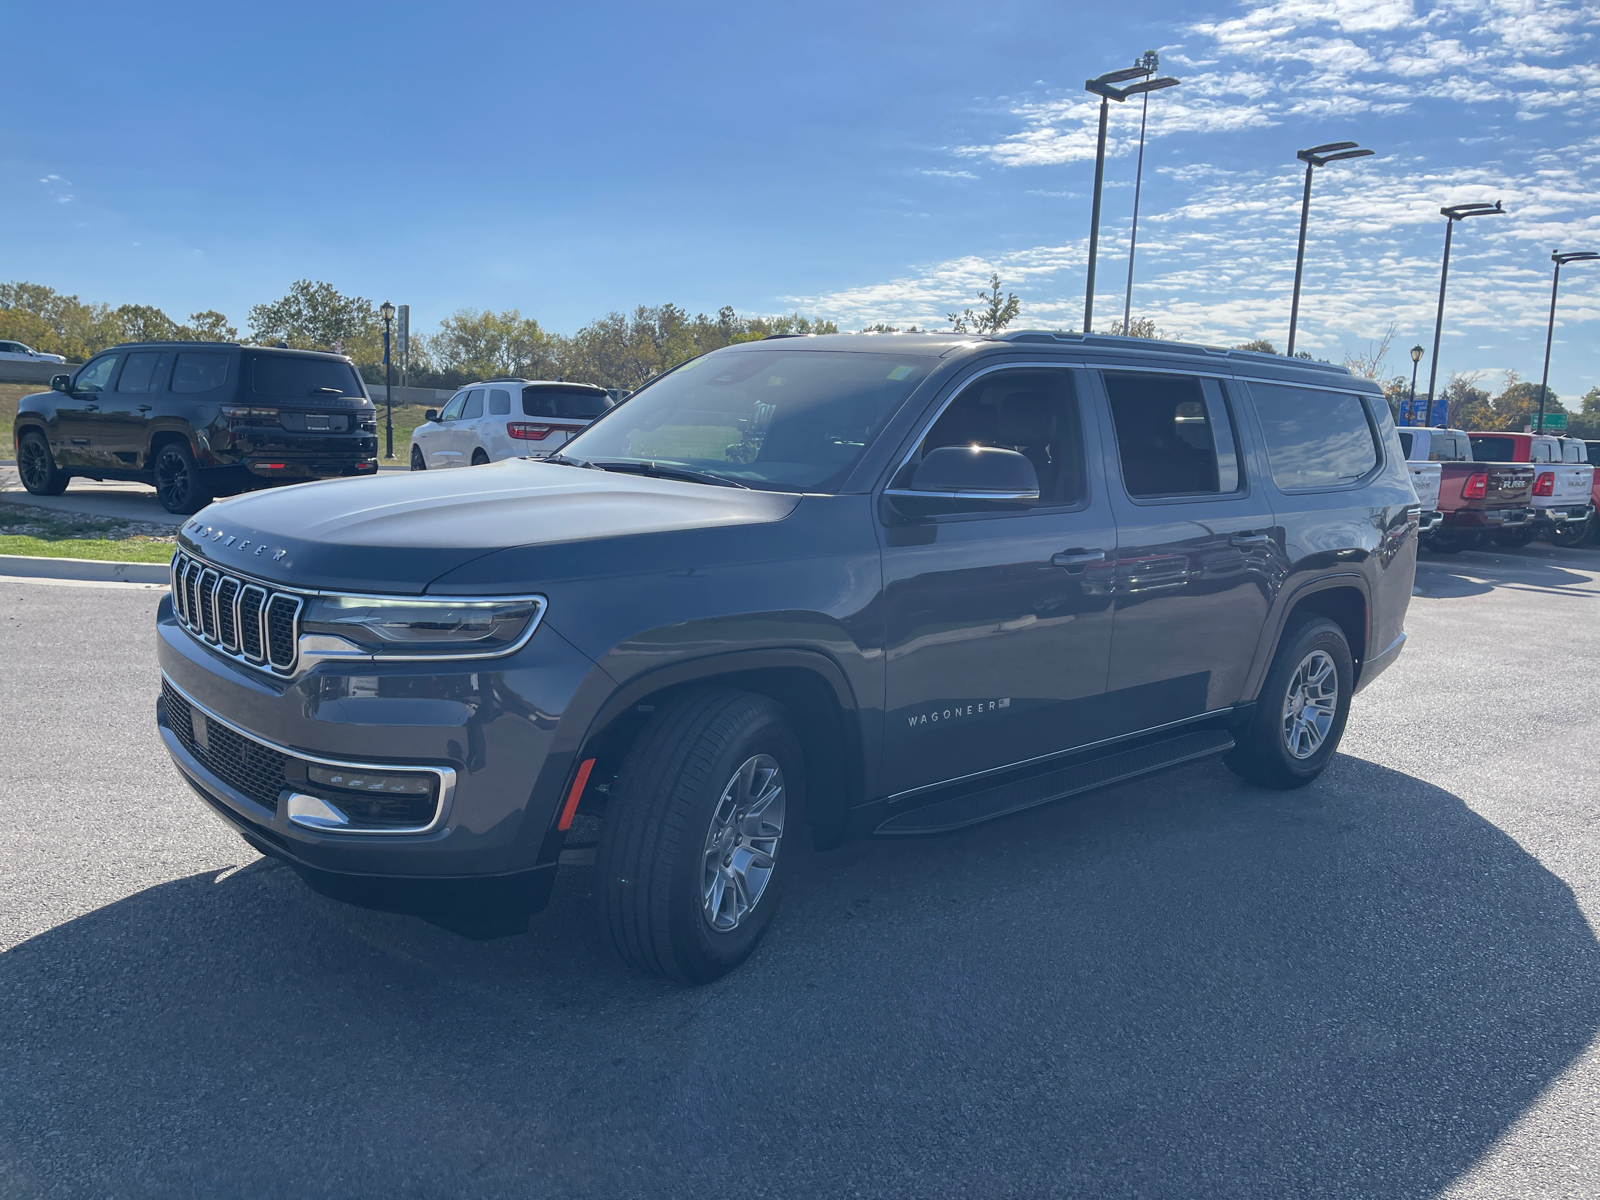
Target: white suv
x=505 y=418
x=17 y=352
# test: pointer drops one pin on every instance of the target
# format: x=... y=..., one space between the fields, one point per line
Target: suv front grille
x=252 y=622
x=240 y=762
x=375 y=799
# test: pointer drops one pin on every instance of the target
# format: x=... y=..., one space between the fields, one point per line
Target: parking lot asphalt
x=1384 y=985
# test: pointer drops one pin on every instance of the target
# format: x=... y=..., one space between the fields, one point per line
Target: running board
x=958 y=812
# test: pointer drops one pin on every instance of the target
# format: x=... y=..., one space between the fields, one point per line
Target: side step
x=958 y=812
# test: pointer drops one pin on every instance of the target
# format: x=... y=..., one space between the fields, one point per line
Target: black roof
x=182 y=345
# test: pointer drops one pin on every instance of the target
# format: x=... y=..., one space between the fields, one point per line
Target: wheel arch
x=810 y=686
x=1342 y=598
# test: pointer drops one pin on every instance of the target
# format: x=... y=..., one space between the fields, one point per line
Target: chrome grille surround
x=256 y=623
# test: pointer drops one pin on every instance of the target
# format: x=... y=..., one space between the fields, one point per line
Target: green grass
x=135 y=549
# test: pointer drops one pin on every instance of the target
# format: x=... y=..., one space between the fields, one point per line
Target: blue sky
x=862 y=162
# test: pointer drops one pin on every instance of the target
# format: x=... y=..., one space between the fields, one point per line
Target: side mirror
x=968 y=478
x=60 y=383
x=431 y=415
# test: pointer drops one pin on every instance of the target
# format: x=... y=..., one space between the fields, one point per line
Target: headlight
x=398 y=628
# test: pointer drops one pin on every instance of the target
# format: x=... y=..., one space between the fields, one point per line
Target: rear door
x=492 y=435
x=1198 y=557
x=125 y=409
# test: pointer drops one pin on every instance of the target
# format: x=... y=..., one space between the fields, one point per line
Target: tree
x=143 y=323
x=1139 y=327
x=480 y=344
x=316 y=316
x=1369 y=363
x=1587 y=423
x=1466 y=404
x=1260 y=346
x=209 y=326
x=1518 y=403
x=48 y=320
x=996 y=315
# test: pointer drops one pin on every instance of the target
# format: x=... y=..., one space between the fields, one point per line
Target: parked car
x=1576 y=450
x=17 y=352
x=1425 y=476
x=198 y=420
x=505 y=418
x=1562 y=491
x=1474 y=504
x=862 y=585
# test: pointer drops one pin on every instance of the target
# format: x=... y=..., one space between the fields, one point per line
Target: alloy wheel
x=172 y=480
x=1311 y=704
x=34 y=465
x=741 y=847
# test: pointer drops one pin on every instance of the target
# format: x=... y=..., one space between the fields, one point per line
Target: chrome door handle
x=1251 y=539
x=1075 y=560
x=144 y=408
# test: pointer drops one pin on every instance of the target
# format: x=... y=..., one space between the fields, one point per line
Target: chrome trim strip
x=1054 y=754
x=445 y=775
x=997 y=497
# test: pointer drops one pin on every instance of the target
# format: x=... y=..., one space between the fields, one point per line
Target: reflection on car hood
x=397 y=532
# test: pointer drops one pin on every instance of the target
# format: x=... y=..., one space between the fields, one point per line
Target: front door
x=1198 y=558
x=436 y=443
x=77 y=420
x=999 y=622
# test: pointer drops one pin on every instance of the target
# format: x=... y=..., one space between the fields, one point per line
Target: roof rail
x=1158 y=345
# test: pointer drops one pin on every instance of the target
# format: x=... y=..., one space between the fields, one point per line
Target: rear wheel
x=690 y=861
x=479 y=458
x=1301 y=712
x=418 y=462
x=1521 y=535
x=37 y=466
x=177 y=477
x=1571 y=533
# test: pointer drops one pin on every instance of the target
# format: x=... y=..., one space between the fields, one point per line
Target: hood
x=397 y=532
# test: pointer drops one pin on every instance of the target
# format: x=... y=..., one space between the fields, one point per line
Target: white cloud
x=950 y=174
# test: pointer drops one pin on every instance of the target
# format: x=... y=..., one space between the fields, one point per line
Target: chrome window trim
x=445 y=775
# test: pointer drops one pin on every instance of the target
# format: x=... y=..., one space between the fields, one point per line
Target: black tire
x=1571 y=533
x=1261 y=753
x=479 y=458
x=1521 y=535
x=177 y=479
x=418 y=462
x=652 y=862
x=37 y=466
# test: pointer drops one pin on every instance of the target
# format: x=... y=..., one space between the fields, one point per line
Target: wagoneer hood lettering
x=397 y=532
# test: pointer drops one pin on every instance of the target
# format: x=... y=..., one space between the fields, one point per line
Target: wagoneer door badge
x=970 y=708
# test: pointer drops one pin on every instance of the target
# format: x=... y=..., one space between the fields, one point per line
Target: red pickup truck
x=1561 y=497
x=1477 y=501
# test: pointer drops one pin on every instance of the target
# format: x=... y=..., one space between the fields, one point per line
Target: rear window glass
x=280 y=375
x=1450 y=447
x=1314 y=439
x=1170 y=439
x=1494 y=449
x=1572 y=452
x=199 y=372
x=551 y=402
x=1405 y=443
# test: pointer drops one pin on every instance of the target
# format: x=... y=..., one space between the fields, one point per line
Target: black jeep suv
x=197 y=420
x=878 y=584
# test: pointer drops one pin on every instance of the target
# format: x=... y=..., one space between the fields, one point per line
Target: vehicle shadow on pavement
x=1451 y=576
x=1183 y=987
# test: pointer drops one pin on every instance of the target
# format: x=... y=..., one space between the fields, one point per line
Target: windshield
x=783 y=420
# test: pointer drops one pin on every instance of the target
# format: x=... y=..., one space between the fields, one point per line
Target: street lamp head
x=387 y=311
x=1460 y=212
x=1416 y=354
x=1105 y=85
x=1321 y=156
x=1149 y=85
x=1556 y=256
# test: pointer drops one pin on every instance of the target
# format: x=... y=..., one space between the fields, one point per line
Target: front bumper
x=495 y=727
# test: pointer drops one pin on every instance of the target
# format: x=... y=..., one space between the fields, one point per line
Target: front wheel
x=1571 y=533
x=418 y=462
x=690 y=861
x=1301 y=712
x=37 y=466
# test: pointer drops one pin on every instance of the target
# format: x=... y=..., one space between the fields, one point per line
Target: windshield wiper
x=657 y=470
x=563 y=460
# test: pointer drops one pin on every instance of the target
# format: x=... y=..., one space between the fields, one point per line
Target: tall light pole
x=1455 y=212
x=1560 y=261
x=1317 y=156
x=1150 y=62
x=1105 y=87
x=1416 y=358
x=387 y=311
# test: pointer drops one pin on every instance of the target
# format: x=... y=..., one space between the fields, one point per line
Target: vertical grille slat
x=249 y=621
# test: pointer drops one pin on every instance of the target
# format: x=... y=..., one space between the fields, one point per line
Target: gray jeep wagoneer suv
x=875 y=585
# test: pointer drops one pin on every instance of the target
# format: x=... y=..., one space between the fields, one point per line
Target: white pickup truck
x=1422 y=448
x=1562 y=502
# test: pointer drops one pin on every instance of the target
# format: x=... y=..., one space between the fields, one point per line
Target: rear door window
x=1173 y=439
x=199 y=372
x=1405 y=443
x=573 y=406
x=473 y=409
x=1494 y=449
x=139 y=371
x=1315 y=440
x=499 y=402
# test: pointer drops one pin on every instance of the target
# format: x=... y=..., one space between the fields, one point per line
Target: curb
x=90 y=569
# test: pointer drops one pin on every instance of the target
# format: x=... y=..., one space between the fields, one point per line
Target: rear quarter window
x=199 y=372
x=1315 y=440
